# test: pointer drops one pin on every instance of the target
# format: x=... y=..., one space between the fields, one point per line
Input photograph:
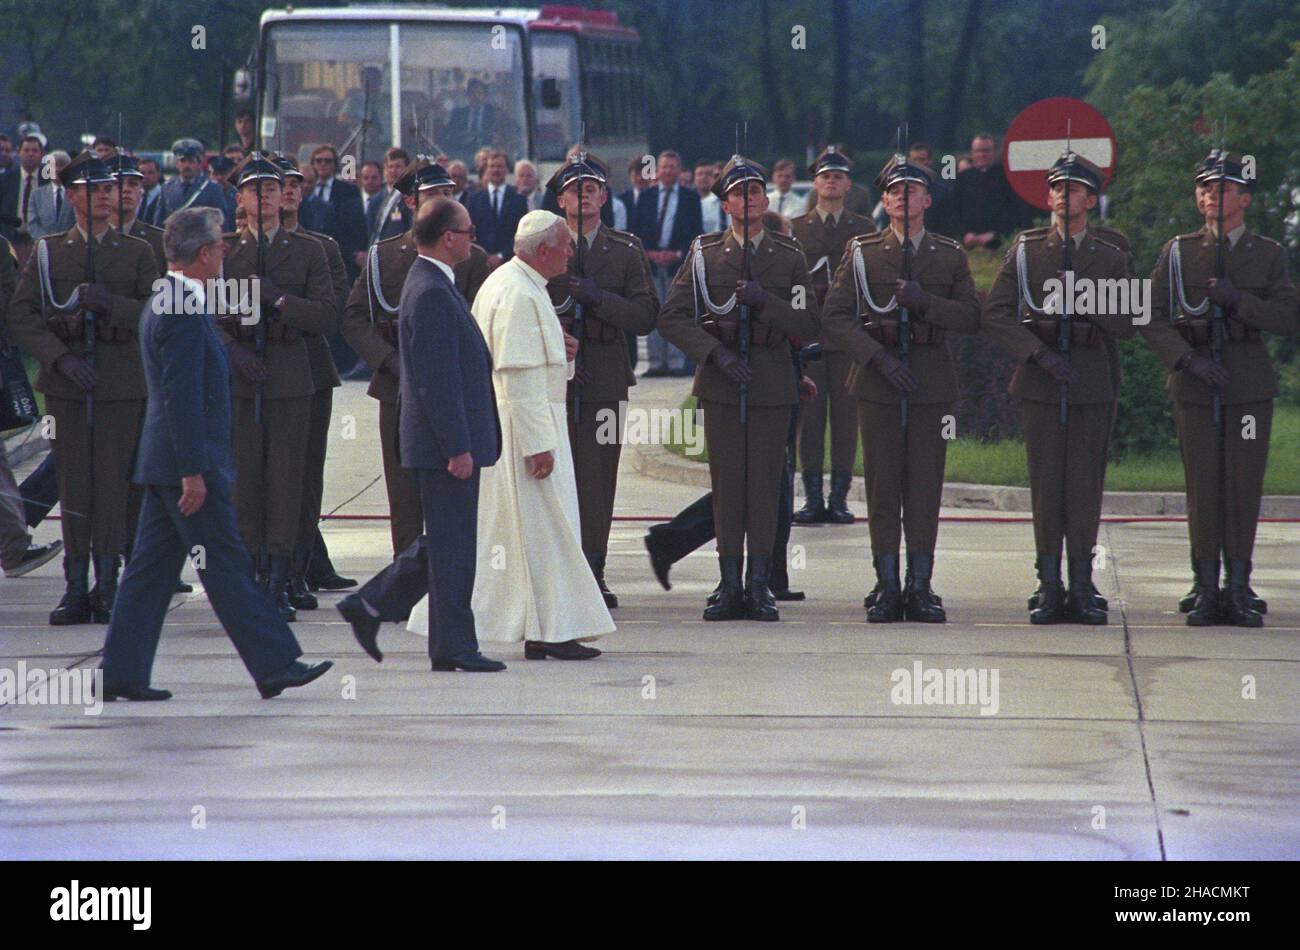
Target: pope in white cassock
x=533 y=582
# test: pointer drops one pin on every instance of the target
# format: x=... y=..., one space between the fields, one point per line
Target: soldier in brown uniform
x=823 y=233
x=1065 y=444
x=703 y=317
x=370 y=328
x=129 y=189
x=97 y=403
x=325 y=379
x=296 y=295
x=902 y=404
x=608 y=281
x=1224 y=458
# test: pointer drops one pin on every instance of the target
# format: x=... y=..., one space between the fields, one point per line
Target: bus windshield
x=460 y=87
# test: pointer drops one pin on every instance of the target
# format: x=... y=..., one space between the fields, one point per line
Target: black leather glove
x=910 y=295
x=730 y=363
x=77 y=369
x=247 y=363
x=585 y=291
x=751 y=294
x=97 y=299
x=1223 y=293
x=1207 y=371
x=892 y=368
x=1056 y=366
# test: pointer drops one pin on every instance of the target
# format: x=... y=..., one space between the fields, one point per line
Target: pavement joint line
x=1137 y=696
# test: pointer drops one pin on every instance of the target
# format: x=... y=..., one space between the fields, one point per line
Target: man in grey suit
x=448 y=430
x=49 y=211
x=185 y=466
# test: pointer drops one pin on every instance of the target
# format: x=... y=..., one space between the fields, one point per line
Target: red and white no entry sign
x=1037 y=137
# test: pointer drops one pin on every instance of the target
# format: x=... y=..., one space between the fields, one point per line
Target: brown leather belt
x=594 y=329
x=276 y=331
x=1198 y=332
x=1082 y=333
x=71 y=328
x=921 y=333
x=728 y=331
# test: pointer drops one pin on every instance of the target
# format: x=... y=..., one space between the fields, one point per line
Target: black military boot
x=919 y=602
x=75 y=606
x=300 y=598
x=1080 y=602
x=1205 y=612
x=1189 y=599
x=730 y=604
x=101 y=605
x=598 y=571
x=778 y=582
x=1050 y=607
x=837 y=510
x=814 y=509
x=888 y=607
x=759 y=603
x=320 y=569
x=1234 y=603
x=1256 y=602
x=278 y=581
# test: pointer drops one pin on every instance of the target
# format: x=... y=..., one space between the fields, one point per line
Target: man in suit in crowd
x=668 y=219
x=49 y=212
x=395 y=218
x=474 y=124
x=625 y=218
x=192 y=188
x=375 y=195
x=184 y=463
x=496 y=209
x=450 y=429
x=151 y=202
x=527 y=185
x=21 y=184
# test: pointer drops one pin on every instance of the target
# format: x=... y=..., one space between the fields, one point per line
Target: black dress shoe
x=659 y=563
x=34 y=557
x=568 y=650
x=470 y=663
x=296 y=673
x=655 y=373
x=785 y=593
x=611 y=598
x=138 y=694
x=183 y=588
x=364 y=627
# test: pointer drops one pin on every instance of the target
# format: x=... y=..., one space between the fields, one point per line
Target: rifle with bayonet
x=259 y=328
x=579 y=319
x=1217 y=316
x=1063 y=316
x=904 y=317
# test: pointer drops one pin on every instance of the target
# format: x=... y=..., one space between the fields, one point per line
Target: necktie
x=58 y=203
x=27 y=194
x=829 y=221
x=663 y=213
x=320 y=192
x=496 y=203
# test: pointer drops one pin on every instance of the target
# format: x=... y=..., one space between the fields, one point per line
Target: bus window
x=462 y=88
x=315 y=78
x=555 y=65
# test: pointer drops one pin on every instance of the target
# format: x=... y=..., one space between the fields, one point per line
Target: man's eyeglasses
x=471 y=230
x=323 y=160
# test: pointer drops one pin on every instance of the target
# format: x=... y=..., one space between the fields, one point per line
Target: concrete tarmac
x=1143 y=739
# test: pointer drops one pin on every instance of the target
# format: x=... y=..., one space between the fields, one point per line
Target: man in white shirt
x=780 y=198
x=48 y=211
x=706 y=173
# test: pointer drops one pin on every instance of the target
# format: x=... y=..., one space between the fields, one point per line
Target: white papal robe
x=532 y=580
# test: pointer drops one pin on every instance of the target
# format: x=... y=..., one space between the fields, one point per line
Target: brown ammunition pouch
x=276 y=331
x=387 y=330
x=1199 y=332
x=886 y=332
x=728 y=331
x=594 y=329
x=1082 y=333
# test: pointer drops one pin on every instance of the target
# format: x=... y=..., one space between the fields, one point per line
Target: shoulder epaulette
x=1032 y=234
x=870 y=238
x=782 y=240
x=1266 y=240
x=944 y=240
x=1190 y=236
x=1107 y=244
x=713 y=238
x=626 y=238
x=320 y=236
x=390 y=240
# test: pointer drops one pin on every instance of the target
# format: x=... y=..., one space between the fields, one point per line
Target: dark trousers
x=318 y=434
x=270 y=471
x=441 y=563
x=692 y=527
x=746 y=520
x=1066 y=473
x=405 y=519
x=834 y=401
x=164 y=538
x=595 y=467
x=1223 y=498
x=40 y=491
x=903 y=474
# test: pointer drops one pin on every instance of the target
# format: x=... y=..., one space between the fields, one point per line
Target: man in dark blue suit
x=192 y=188
x=185 y=466
x=668 y=219
x=448 y=430
x=495 y=210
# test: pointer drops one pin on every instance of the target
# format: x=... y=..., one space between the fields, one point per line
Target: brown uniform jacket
x=396 y=255
x=778 y=264
x=618 y=265
x=296 y=263
x=939 y=266
x=324 y=375
x=123 y=264
x=1257 y=267
x=8 y=279
x=1094 y=259
x=823 y=247
x=154 y=237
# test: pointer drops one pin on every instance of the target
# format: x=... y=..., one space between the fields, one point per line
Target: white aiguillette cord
x=376 y=287
x=43 y=266
x=700 y=279
x=1176 y=291
x=860 y=284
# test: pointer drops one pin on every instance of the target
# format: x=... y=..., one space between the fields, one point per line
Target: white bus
x=438 y=80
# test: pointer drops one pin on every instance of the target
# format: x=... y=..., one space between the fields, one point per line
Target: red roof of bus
x=581 y=20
